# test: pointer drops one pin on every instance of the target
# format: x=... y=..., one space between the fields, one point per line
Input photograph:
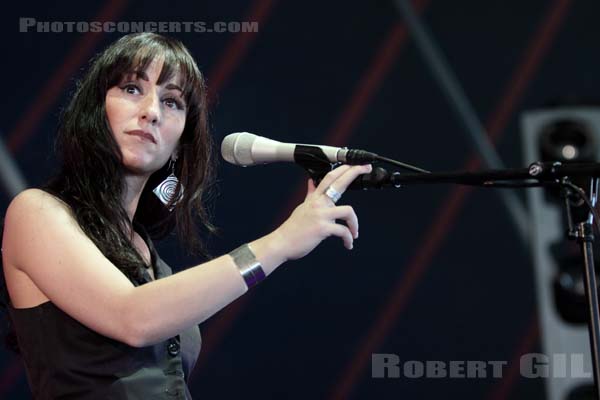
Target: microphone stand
x=539 y=174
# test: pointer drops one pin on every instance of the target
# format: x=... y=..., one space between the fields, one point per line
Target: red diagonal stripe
x=502 y=388
x=446 y=217
x=28 y=123
x=341 y=130
x=237 y=49
x=380 y=66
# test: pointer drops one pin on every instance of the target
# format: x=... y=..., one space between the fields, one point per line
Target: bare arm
x=42 y=239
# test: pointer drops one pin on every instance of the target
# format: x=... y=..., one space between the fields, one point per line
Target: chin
x=140 y=166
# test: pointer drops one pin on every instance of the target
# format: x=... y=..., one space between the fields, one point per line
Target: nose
x=150 y=108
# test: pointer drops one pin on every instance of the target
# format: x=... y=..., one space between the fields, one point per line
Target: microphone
x=246 y=149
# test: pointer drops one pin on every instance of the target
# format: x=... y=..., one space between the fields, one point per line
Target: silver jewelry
x=333 y=194
x=248 y=265
x=165 y=190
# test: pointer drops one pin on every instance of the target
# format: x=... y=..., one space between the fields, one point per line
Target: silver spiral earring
x=165 y=190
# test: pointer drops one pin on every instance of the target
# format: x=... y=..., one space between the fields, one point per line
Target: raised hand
x=315 y=219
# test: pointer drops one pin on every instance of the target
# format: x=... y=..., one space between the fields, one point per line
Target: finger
x=310 y=189
x=344 y=180
x=330 y=177
x=343 y=232
x=347 y=214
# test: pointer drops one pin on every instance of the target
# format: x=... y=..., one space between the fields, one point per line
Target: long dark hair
x=91 y=178
x=91 y=174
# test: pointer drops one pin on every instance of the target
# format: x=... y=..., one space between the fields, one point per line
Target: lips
x=143 y=134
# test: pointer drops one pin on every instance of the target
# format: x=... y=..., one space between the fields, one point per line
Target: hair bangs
x=177 y=64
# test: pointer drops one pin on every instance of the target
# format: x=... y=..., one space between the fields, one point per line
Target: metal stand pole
x=585 y=236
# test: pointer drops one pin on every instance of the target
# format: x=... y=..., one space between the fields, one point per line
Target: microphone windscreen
x=237 y=148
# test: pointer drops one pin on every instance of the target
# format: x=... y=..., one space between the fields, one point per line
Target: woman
x=96 y=312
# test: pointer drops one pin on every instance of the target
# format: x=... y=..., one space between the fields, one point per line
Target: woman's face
x=146 y=119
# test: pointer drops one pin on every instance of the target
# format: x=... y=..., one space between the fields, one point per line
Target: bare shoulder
x=33 y=219
x=35 y=201
x=33 y=204
x=29 y=214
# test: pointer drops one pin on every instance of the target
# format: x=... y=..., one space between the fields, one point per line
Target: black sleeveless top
x=65 y=359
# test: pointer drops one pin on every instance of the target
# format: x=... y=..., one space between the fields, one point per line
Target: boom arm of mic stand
x=542 y=172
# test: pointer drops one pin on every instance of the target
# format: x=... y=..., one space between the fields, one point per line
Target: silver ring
x=333 y=194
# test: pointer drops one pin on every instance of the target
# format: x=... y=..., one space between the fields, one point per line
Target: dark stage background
x=438 y=273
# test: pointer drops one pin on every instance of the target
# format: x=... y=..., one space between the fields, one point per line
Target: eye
x=131 y=88
x=174 y=103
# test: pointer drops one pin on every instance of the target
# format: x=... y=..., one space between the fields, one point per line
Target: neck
x=134 y=184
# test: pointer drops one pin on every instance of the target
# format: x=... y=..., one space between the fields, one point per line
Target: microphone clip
x=378 y=178
x=317 y=165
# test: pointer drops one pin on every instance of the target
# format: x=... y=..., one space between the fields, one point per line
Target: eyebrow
x=172 y=86
x=144 y=76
